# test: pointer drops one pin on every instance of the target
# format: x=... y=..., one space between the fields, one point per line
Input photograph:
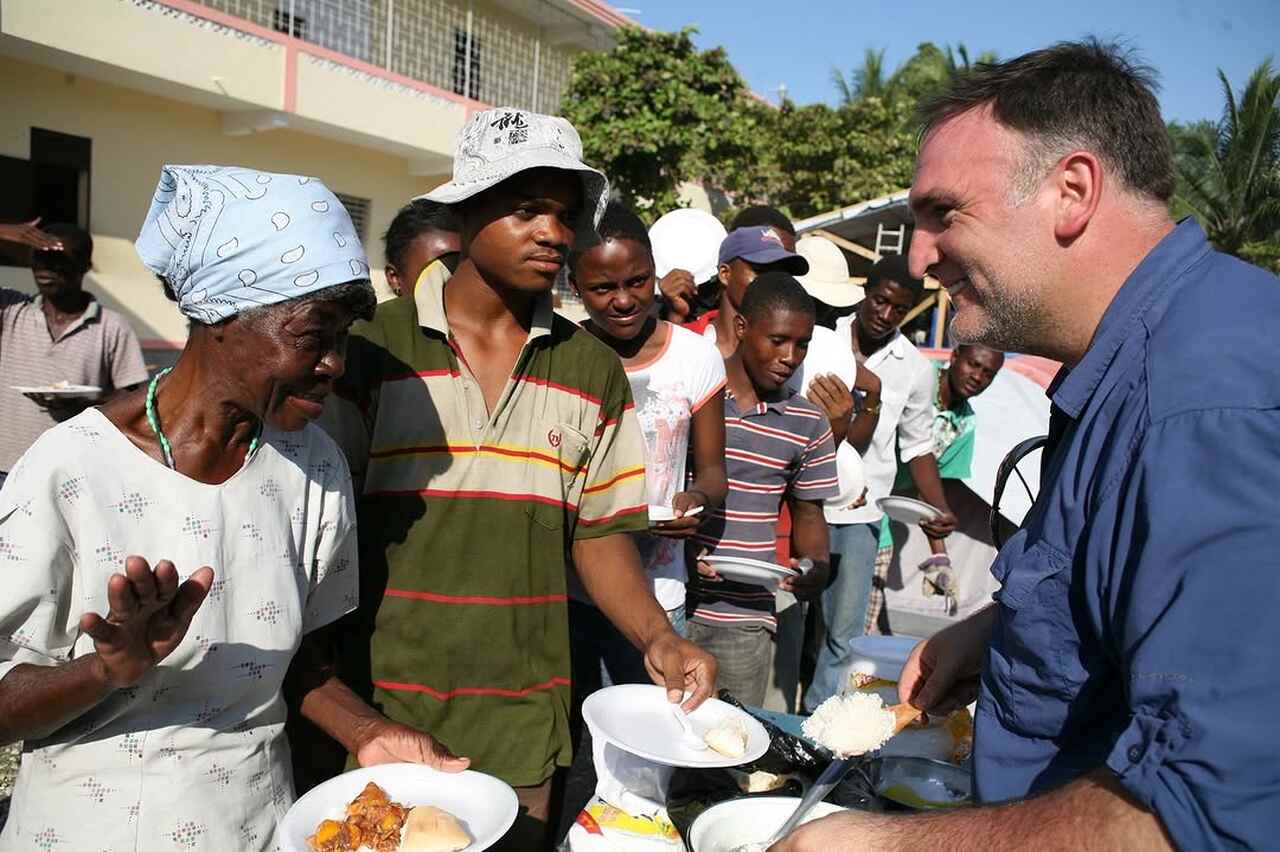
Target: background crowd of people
x=336 y=533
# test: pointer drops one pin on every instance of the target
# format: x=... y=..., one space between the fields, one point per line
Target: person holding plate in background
x=778 y=448
x=60 y=336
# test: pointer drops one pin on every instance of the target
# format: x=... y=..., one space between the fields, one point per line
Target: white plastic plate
x=61 y=390
x=907 y=510
x=746 y=570
x=485 y=806
x=637 y=719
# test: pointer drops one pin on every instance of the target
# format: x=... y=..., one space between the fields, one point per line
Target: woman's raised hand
x=149 y=614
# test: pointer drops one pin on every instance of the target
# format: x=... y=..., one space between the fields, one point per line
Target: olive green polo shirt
x=467 y=518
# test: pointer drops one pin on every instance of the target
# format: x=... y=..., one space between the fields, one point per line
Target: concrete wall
x=164 y=46
x=134 y=134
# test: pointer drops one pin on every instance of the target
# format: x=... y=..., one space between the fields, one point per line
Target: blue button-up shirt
x=1139 y=616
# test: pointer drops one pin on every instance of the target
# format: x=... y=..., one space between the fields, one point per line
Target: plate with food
x=639 y=719
x=400 y=807
x=746 y=570
x=907 y=510
x=659 y=514
x=63 y=389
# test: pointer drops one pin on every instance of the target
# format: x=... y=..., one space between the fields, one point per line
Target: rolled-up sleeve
x=915 y=429
x=1193 y=610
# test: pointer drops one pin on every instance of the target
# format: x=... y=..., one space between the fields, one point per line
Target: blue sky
x=797 y=42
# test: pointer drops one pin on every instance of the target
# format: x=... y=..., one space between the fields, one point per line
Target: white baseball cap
x=687 y=239
x=498 y=143
x=828 y=277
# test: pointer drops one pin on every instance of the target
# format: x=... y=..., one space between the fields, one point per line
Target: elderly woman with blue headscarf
x=166 y=559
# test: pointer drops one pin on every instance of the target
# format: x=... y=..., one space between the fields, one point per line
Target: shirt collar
x=1153 y=278
x=91 y=313
x=895 y=347
x=777 y=406
x=428 y=297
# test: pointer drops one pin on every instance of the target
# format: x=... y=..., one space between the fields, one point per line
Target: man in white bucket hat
x=490 y=440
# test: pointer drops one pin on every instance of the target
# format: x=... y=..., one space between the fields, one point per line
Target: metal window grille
x=509 y=64
x=358 y=210
x=466 y=81
x=554 y=69
x=286 y=22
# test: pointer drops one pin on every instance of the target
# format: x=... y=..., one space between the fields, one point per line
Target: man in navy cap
x=744 y=254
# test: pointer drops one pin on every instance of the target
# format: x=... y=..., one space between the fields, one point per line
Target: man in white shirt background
x=897 y=397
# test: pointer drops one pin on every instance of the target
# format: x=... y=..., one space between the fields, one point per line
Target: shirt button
x=479 y=424
x=1135 y=754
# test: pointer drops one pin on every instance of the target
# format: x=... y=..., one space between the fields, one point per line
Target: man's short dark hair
x=762 y=214
x=414 y=219
x=962 y=348
x=893 y=267
x=775 y=292
x=76 y=241
x=617 y=223
x=1086 y=95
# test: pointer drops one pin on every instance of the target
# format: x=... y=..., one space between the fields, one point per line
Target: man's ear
x=740 y=326
x=723 y=272
x=393 y=279
x=1078 y=183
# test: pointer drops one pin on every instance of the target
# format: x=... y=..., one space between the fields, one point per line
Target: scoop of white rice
x=850 y=724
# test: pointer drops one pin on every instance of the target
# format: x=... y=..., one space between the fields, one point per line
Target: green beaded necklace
x=154 y=421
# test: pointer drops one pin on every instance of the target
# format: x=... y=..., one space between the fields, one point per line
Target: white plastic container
x=881 y=656
x=728 y=825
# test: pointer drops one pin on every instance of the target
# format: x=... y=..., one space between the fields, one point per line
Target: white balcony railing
x=446 y=44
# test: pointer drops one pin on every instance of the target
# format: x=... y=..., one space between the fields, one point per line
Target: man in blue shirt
x=1126 y=675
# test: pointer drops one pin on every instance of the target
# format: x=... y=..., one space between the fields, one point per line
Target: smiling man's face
x=991 y=254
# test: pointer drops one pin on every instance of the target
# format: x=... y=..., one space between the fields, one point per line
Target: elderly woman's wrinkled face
x=290 y=357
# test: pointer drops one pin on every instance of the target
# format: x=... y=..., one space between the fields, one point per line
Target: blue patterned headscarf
x=228 y=238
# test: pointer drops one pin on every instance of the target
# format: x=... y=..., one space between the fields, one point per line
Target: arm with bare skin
x=609 y=567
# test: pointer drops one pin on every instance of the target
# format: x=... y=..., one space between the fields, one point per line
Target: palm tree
x=1229 y=178
x=867 y=81
x=926 y=70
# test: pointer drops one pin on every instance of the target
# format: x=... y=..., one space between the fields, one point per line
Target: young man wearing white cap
x=495 y=439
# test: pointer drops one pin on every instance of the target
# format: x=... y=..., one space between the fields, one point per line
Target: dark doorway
x=53 y=185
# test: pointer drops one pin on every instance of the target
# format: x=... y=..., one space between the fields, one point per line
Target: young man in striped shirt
x=778 y=446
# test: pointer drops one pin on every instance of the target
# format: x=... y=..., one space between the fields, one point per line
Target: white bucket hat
x=828 y=277
x=498 y=143
x=687 y=239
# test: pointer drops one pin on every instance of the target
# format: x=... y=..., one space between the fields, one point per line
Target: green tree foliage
x=1229 y=172
x=926 y=71
x=655 y=112
x=823 y=158
x=865 y=81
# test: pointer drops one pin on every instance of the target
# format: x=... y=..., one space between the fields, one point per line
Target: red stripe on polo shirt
x=546 y=383
x=421 y=374
x=474 y=495
x=621 y=513
x=755 y=458
x=789 y=437
x=441 y=695
x=481 y=600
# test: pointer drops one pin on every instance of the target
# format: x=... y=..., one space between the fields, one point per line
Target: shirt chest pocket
x=892 y=403
x=555 y=474
x=1038 y=661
